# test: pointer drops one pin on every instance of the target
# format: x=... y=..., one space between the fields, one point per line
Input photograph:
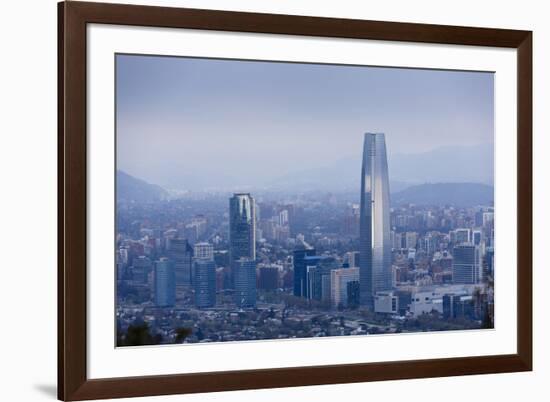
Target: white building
x=425 y=299
x=339 y=279
x=425 y=302
x=386 y=302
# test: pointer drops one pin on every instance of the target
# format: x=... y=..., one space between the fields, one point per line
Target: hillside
x=457 y=194
x=130 y=189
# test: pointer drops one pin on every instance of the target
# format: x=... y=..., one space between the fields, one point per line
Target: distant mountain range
x=129 y=188
x=457 y=194
x=463 y=175
x=456 y=164
x=472 y=164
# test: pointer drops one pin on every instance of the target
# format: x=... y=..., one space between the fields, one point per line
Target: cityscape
x=260 y=200
x=275 y=266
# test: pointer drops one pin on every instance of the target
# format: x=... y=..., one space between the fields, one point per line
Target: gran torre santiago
x=375 y=248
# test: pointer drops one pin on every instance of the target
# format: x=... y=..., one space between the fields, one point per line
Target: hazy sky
x=180 y=117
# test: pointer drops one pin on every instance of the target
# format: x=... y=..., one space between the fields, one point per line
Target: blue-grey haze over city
x=213 y=119
x=261 y=200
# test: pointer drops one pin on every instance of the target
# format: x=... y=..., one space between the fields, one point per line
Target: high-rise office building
x=477 y=237
x=478 y=218
x=490 y=261
x=244 y=274
x=268 y=278
x=462 y=236
x=467 y=267
x=458 y=306
x=242 y=227
x=318 y=282
x=429 y=243
x=205 y=283
x=318 y=277
x=352 y=259
x=283 y=217
x=398 y=242
x=204 y=275
x=300 y=274
x=339 y=285
x=374 y=226
x=242 y=238
x=488 y=218
x=165 y=283
x=181 y=254
x=353 y=291
x=141 y=268
x=351 y=220
x=312 y=277
x=203 y=251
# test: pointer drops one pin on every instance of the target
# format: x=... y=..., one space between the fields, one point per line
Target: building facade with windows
x=164 y=283
x=374 y=226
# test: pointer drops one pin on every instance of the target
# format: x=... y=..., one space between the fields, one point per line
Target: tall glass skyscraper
x=242 y=227
x=242 y=248
x=245 y=282
x=467 y=266
x=181 y=254
x=374 y=225
x=300 y=274
x=165 y=283
x=141 y=268
x=205 y=275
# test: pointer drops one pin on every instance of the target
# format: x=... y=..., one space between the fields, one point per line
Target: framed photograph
x=253 y=200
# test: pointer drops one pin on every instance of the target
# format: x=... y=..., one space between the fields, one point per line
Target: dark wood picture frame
x=73 y=383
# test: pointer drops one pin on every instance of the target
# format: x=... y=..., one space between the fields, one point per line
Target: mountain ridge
x=457 y=194
x=461 y=164
x=132 y=189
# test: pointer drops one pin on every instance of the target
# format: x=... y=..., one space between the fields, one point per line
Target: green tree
x=137 y=335
x=182 y=333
